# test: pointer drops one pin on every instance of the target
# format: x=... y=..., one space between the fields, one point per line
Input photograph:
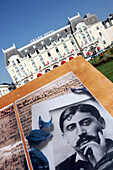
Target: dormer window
x=8 y=62
x=18 y=61
x=45 y=46
x=29 y=55
x=13 y=63
x=61 y=39
x=42 y=42
x=58 y=35
x=97 y=28
x=107 y=23
x=37 y=51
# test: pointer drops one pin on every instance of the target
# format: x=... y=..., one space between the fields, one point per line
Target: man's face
x=80 y=129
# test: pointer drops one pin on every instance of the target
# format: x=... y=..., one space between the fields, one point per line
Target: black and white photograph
x=81 y=132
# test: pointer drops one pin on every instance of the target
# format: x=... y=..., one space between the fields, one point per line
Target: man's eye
x=71 y=127
x=86 y=122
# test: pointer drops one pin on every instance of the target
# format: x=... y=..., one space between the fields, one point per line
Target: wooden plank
x=23 y=139
x=97 y=84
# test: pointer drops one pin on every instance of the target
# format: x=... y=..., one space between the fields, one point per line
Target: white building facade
x=108 y=25
x=4 y=89
x=85 y=36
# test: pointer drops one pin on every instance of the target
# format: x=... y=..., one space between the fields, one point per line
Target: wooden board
x=96 y=83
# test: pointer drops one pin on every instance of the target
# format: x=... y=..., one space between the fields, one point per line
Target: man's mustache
x=87 y=138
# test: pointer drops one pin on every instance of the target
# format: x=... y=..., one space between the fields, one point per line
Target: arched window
x=26 y=81
x=55 y=66
x=47 y=70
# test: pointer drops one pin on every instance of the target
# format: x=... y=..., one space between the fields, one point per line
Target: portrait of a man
x=81 y=135
x=82 y=127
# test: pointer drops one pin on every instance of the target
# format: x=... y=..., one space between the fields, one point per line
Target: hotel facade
x=85 y=36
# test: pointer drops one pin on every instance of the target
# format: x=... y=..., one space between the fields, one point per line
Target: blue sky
x=23 y=20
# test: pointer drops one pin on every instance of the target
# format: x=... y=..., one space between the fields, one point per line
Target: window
x=69 y=35
x=42 y=60
x=97 y=27
x=20 y=75
x=80 y=30
x=18 y=61
x=15 y=78
x=36 y=69
x=54 y=43
x=100 y=34
x=40 y=57
x=49 y=54
x=29 y=55
x=85 y=41
x=24 y=73
x=13 y=63
x=61 y=39
x=32 y=61
x=93 y=38
x=59 y=55
x=0 y=93
x=90 y=32
x=37 y=51
x=47 y=70
x=26 y=81
x=16 y=69
x=104 y=42
x=87 y=34
x=107 y=23
x=43 y=63
x=89 y=39
x=21 y=67
x=4 y=91
x=83 y=36
x=55 y=66
x=84 y=28
x=45 y=46
x=72 y=42
x=65 y=46
x=67 y=51
x=75 y=47
x=57 y=50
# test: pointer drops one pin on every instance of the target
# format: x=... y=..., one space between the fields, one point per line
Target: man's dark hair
x=72 y=111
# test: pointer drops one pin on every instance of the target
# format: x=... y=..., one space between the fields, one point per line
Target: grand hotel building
x=81 y=35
